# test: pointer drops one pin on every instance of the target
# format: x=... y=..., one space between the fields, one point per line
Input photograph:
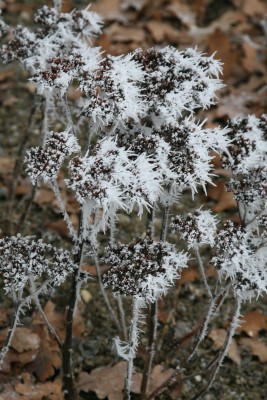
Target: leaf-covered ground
x=237 y=31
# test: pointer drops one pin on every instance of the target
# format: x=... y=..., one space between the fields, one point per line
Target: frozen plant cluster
x=144 y=148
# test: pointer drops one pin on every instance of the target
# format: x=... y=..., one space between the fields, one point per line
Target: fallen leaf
x=252 y=323
x=127 y=34
x=60 y=227
x=224 y=200
x=39 y=391
x=256 y=347
x=218 y=337
x=161 y=31
x=108 y=9
x=255 y=7
x=189 y=274
x=43 y=196
x=6 y=166
x=219 y=42
x=107 y=381
x=24 y=339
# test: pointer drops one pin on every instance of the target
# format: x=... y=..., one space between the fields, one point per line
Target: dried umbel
x=112 y=91
x=177 y=81
x=197 y=229
x=145 y=268
x=24 y=258
x=241 y=257
x=45 y=162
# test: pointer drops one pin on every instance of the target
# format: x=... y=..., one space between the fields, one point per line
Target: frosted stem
x=62 y=208
x=104 y=294
x=224 y=350
x=133 y=344
x=212 y=310
x=202 y=272
x=38 y=304
x=152 y=334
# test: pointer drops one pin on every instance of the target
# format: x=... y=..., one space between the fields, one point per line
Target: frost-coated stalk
x=153 y=309
x=105 y=297
x=152 y=322
x=202 y=272
x=223 y=352
x=41 y=311
x=63 y=210
x=213 y=308
x=66 y=349
x=152 y=333
x=133 y=343
x=118 y=298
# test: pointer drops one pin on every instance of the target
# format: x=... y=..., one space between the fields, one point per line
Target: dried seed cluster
x=144 y=268
x=45 y=162
x=22 y=258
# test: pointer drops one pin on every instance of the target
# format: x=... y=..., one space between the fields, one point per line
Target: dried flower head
x=241 y=258
x=22 y=258
x=197 y=229
x=144 y=268
x=45 y=162
x=177 y=81
x=112 y=91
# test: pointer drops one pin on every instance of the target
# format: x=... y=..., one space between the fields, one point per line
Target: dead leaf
x=108 y=9
x=252 y=323
x=44 y=196
x=256 y=347
x=219 y=42
x=224 y=200
x=250 y=60
x=6 y=166
x=24 y=339
x=39 y=391
x=218 y=337
x=255 y=7
x=161 y=31
x=189 y=274
x=107 y=381
x=127 y=34
x=60 y=227
x=8 y=73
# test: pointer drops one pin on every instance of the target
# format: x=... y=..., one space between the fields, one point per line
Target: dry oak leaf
x=126 y=34
x=25 y=340
x=107 y=381
x=224 y=199
x=161 y=31
x=218 y=337
x=252 y=323
x=40 y=391
x=256 y=347
x=47 y=359
x=219 y=42
x=108 y=9
x=255 y=7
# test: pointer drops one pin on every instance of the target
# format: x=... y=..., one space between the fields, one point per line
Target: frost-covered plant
x=144 y=149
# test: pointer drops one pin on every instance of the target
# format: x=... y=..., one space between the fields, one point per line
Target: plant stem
x=202 y=272
x=66 y=349
x=133 y=343
x=152 y=332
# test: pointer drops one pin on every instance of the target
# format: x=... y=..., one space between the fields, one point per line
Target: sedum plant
x=144 y=148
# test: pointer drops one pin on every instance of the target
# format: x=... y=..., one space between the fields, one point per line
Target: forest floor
x=237 y=31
